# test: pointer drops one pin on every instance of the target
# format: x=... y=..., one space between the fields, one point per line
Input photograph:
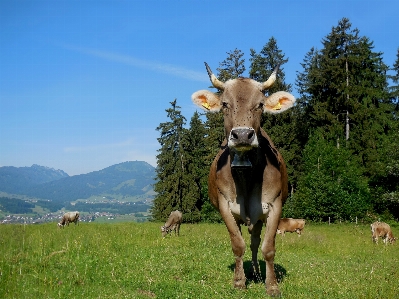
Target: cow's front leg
x=269 y=248
x=237 y=244
x=238 y=247
x=255 y=241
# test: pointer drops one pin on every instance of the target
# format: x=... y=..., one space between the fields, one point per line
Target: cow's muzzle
x=241 y=140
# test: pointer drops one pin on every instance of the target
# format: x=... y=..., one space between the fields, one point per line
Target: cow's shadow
x=253 y=277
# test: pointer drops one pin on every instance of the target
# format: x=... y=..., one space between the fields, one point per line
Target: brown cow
x=248 y=179
x=290 y=225
x=383 y=230
x=69 y=217
x=172 y=224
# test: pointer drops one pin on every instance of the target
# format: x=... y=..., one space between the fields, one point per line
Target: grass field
x=131 y=260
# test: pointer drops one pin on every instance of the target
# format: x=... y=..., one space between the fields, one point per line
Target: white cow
x=290 y=225
x=173 y=223
x=69 y=217
x=383 y=230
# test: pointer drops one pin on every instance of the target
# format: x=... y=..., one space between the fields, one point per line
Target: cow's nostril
x=234 y=135
x=250 y=135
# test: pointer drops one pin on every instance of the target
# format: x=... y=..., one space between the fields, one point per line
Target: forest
x=340 y=141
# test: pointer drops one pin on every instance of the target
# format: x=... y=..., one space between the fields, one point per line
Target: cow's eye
x=225 y=105
x=260 y=106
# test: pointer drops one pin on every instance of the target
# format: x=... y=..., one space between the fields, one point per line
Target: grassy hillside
x=131 y=260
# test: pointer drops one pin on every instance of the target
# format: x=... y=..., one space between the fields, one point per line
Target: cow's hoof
x=239 y=284
x=273 y=291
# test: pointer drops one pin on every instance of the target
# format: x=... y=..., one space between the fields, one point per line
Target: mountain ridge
x=126 y=179
x=17 y=179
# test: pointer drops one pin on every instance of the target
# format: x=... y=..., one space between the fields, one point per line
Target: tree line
x=19 y=206
x=340 y=141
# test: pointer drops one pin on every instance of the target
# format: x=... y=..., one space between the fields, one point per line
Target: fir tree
x=385 y=187
x=394 y=89
x=305 y=80
x=264 y=63
x=195 y=187
x=384 y=184
x=331 y=185
x=303 y=105
x=347 y=88
x=232 y=67
x=170 y=165
x=344 y=94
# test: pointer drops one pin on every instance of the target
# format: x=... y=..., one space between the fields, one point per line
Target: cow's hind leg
x=255 y=241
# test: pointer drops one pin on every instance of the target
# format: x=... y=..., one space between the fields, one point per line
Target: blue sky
x=84 y=84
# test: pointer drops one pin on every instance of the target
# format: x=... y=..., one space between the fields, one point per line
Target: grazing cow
x=172 y=224
x=383 y=230
x=248 y=181
x=290 y=225
x=69 y=217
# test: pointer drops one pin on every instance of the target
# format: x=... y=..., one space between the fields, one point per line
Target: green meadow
x=131 y=260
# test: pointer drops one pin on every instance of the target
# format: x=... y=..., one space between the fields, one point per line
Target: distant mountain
x=126 y=179
x=19 y=179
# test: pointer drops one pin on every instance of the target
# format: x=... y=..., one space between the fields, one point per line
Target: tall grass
x=131 y=260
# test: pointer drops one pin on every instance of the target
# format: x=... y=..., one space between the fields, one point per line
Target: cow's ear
x=206 y=100
x=278 y=102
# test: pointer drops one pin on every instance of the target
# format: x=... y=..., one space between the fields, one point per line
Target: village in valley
x=84 y=217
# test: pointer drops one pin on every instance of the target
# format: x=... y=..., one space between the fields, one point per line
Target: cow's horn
x=215 y=81
x=271 y=80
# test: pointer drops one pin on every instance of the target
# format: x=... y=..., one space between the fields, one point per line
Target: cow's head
x=242 y=101
x=164 y=231
x=391 y=238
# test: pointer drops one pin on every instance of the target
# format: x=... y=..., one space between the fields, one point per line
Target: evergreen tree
x=331 y=186
x=170 y=165
x=348 y=90
x=264 y=63
x=344 y=93
x=304 y=83
x=384 y=184
x=232 y=67
x=394 y=89
x=195 y=186
x=303 y=107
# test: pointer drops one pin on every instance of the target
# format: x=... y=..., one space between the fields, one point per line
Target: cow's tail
x=249 y=224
